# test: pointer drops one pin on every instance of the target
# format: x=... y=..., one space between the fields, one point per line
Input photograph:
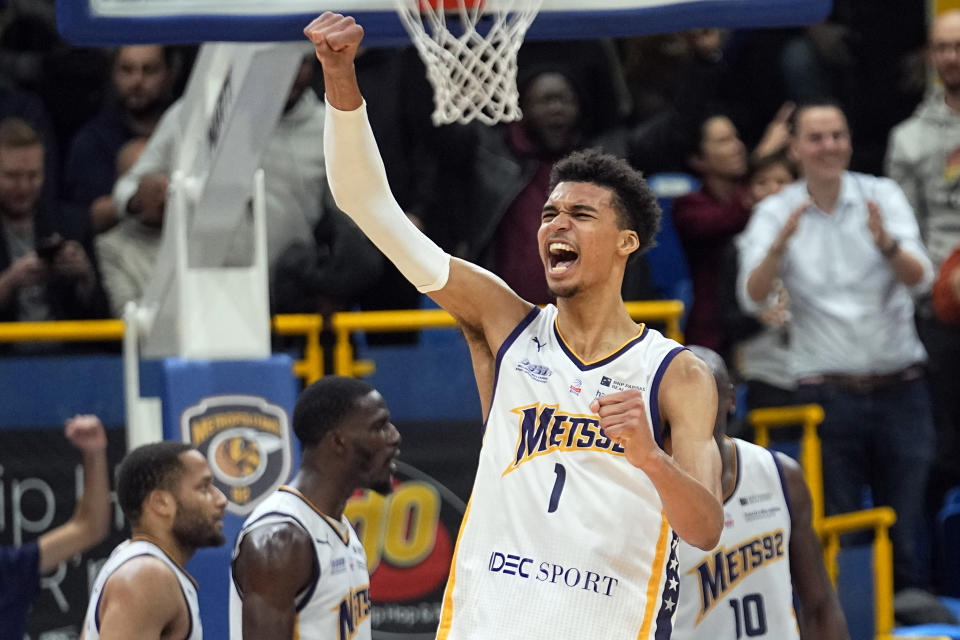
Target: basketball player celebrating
x=767 y=553
x=167 y=494
x=581 y=489
x=299 y=569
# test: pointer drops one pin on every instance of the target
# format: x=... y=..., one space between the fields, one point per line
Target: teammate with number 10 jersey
x=768 y=551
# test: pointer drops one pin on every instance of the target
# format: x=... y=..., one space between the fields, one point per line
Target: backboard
x=101 y=22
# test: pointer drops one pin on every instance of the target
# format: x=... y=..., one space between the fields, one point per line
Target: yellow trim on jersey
x=556 y=324
x=296 y=627
x=334 y=524
x=446 y=620
x=143 y=538
x=656 y=573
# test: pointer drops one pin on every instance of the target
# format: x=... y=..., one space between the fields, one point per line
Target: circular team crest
x=246 y=442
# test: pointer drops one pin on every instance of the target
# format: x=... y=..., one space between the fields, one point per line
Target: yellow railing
x=348 y=322
x=65 y=330
x=310 y=366
x=667 y=311
x=808 y=416
x=830 y=528
x=880 y=519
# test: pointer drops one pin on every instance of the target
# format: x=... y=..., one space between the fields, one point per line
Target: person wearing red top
x=707 y=220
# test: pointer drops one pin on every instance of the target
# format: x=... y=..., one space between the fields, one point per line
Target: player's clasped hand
x=335 y=38
x=623 y=417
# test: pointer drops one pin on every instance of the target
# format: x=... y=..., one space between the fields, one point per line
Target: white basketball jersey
x=742 y=589
x=563 y=537
x=336 y=605
x=128 y=550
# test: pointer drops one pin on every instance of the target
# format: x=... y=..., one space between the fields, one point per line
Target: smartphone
x=47 y=248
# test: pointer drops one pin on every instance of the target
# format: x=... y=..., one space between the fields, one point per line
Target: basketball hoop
x=473 y=71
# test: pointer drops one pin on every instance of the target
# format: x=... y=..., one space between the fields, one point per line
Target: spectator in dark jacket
x=142 y=77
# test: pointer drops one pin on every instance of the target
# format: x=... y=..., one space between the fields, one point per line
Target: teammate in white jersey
x=768 y=552
x=167 y=494
x=299 y=570
x=570 y=528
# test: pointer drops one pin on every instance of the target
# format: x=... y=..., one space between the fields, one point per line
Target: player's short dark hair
x=146 y=468
x=634 y=202
x=323 y=405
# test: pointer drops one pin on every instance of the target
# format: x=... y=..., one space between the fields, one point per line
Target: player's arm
x=142 y=600
x=274 y=564
x=691 y=490
x=820 y=615
x=358 y=181
x=90 y=522
x=688 y=481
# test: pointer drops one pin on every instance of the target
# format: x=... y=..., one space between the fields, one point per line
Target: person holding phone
x=43 y=275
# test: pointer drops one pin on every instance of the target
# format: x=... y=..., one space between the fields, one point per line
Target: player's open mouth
x=560 y=257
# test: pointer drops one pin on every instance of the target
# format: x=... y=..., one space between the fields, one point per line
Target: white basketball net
x=474 y=76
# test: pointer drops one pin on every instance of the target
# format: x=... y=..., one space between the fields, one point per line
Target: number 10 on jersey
x=749 y=617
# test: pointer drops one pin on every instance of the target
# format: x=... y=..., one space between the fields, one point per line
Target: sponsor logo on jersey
x=246 y=442
x=538 y=372
x=756 y=498
x=761 y=514
x=526 y=568
x=576 y=386
x=726 y=567
x=727 y=519
x=542 y=429
x=338 y=565
x=540 y=345
x=354 y=609
x=618 y=385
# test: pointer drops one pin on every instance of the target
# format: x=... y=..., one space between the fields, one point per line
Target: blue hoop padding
x=79 y=26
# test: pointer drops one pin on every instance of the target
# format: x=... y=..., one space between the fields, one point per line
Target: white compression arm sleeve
x=359 y=185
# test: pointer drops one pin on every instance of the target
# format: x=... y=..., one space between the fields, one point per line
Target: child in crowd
x=760 y=352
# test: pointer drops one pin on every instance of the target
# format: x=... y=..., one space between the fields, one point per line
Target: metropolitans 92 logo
x=246 y=441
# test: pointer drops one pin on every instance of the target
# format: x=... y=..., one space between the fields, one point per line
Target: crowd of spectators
x=840 y=287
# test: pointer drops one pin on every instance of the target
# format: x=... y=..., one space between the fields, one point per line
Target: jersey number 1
x=557 y=487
